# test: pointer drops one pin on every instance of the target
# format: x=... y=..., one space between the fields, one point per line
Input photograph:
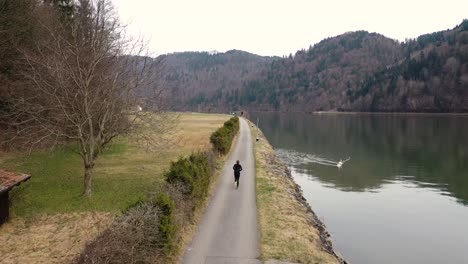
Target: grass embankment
x=289 y=231
x=49 y=209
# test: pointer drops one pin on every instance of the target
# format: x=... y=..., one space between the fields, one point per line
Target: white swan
x=341 y=162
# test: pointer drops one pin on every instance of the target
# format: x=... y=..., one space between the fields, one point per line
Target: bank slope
x=289 y=229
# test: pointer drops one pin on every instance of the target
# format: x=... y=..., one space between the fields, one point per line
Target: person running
x=237 y=169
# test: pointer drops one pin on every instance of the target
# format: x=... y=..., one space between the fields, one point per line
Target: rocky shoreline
x=279 y=168
x=314 y=220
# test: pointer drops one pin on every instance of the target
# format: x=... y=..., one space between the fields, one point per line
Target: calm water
x=403 y=195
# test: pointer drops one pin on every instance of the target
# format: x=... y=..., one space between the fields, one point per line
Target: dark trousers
x=236 y=178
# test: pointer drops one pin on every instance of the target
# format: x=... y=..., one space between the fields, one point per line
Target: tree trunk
x=87 y=180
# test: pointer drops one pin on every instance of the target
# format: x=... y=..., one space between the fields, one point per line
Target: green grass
x=123 y=174
x=57 y=184
x=265 y=186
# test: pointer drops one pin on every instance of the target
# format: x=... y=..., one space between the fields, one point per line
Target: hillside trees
x=355 y=71
x=16 y=29
x=202 y=81
x=84 y=88
x=433 y=77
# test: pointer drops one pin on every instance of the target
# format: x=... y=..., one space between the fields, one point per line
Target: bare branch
x=89 y=83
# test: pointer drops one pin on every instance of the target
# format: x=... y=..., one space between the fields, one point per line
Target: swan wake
x=295 y=158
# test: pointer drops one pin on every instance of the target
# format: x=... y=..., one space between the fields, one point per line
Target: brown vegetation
x=50 y=239
x=355 y=71
x=131 y=238
x=289 y=229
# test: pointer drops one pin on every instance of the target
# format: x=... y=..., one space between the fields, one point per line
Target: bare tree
x=16 y=20
x=90 y=83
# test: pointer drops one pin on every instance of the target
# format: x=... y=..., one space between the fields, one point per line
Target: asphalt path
x=228 y=231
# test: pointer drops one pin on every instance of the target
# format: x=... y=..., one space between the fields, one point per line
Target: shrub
x=133 y=237
x=167 y=227
x=222 y=138
x=232 y=126
x=201 y=175
x=180 y=172
x=229 y=125
x=193 y=173
x=145 y=233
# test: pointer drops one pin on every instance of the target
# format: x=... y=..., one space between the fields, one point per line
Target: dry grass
x=191 y=135
x=50 y=239
x=58 y=233
x=286 y=227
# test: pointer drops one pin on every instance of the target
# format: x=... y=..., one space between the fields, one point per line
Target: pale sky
x=274 y=27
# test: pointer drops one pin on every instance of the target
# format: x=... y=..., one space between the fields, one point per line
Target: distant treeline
x=356 y=71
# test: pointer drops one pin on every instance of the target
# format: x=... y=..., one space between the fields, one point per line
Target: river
x=402 y=197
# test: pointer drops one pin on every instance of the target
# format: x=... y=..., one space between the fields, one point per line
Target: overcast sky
x=273 y=27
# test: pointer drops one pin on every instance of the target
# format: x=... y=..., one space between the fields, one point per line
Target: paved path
x=228 y=233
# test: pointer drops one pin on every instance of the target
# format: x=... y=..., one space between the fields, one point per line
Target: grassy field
x=50 y=209
x=286 y=227
x=124 y=173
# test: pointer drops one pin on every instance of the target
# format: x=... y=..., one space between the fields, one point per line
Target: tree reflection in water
x=428 y=150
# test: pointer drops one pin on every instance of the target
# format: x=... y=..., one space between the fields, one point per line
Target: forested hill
x=319 y=77
x=432 y=77
x=202 y=80
x=355 y=71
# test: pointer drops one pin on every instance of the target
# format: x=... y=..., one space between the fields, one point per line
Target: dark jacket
x=237 y=169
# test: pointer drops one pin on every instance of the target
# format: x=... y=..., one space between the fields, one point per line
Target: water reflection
x=400 y=199
x=430 y=151
x=398 y=223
